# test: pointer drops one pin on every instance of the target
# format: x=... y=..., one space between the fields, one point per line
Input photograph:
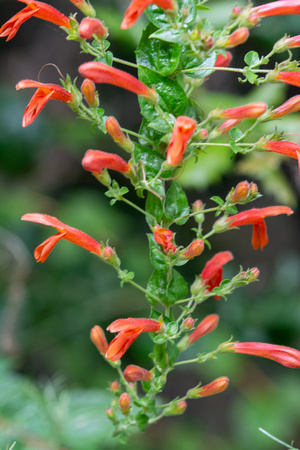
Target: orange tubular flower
x=96 y=160
x=215 y=387
x=137 y=7
x=278 y=8
x=129 y=329
x=286 y=356
x=293 y=42
x=250 y=111
x=207 y=325
x=66 y=232
x=290 y=106
x=212 y=273
x=228 y=125
x=292 y=78
x=284 y=148
x=134 y=373
x=183 y=129
x=102 y=73
x=44 y=93
x=90 y=26
x=194 y=249
x=36 y=9
x=255 y=217
x=114 y=130
x=164 y=237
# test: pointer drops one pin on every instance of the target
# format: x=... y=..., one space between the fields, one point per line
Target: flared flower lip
x=252 y=216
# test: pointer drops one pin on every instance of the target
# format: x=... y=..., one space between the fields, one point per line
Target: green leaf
x=205 y=66
x=191 y=7
x=157 y=285
x=169 y=34
x=154 y=207
x=176 y=204
x=172 y=328
x=151 y=160
x=177 y=288
x=160 y=339
x=231 y=210
x=217 y=199
x=235 y=133
x=172 y=97
x=157 y=16
x=252 y=58
x=157 y=55
x=250 y=76
x=159 y=353
x=142 y=421
x=157 y=258
x=234 y=147
x=172 y=352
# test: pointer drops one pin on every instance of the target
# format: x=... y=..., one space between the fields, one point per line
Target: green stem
x=125 y=130
x=126 y=63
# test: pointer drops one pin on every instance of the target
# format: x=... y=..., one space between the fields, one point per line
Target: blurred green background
x=53 y=383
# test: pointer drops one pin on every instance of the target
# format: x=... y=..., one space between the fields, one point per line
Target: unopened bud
x=236 y=12
x=114 y=130
x=215 y=387
x=188 y=324
x=238 y=37
x=110 y=413
x=253 y=189
x=240 y=192
x=115 y=387
x=252 y=20
x=176 y=408
x=90 y=26
x=110 y=256
x=202 y=133
x=208 y=41
x=194 y=249
x=134 y=373
x=124 y=403
x=220 y=225
x=98 y=338
x=198 y=207
x=88 y=89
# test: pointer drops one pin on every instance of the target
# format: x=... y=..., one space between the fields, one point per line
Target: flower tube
x=36 y=9
x=102 y=73
x=278 y=8
x=183 y=130
x=212 y=273
x=96 y=160
x=137 y=7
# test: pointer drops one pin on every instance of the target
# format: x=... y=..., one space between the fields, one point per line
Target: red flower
x=293 y=41
x=88 y=90
x=137 y=7
x=44 y=93
x=129 y=329
x=286 y=356
x=134 y=373
x=223 y=61
x=124 y=403
x=212 y=273
x=114 y=130
x=207 y=325
x=284 y=148
x=36 y=9
x=183 y=129
x=290 y=106
x=255 y=217
x=96 y=160
x=228 y=125
x=102 y=73
x=292 y=78
x=164 y=237
x=250 y=111
x=66 y=232
x=278 y=8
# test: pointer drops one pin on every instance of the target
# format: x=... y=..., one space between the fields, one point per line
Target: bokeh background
x=53 y=383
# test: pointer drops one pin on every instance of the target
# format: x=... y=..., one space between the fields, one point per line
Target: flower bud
x=238 y=37
x=88 y=89
x=164 y=238
x=90 y=26
x=194 y=249
x=114 y=130
x=188 y=324
x=124 y=403
x=198 y=207
x=110 y=414
x=253 y=189
x=236 y=12
x=240 y=192
x=215 y=387
x=115 y=387
x=134 y=373
x=98 y=338
x=176 y=408
x=110 y=256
